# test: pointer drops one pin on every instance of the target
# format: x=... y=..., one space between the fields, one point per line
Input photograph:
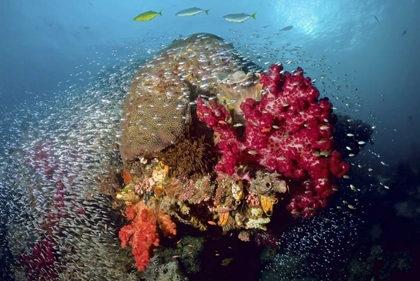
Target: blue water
x=367 y=51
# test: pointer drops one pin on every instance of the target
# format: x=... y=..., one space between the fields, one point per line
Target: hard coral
x=288 y=131
x=157 y=111
x=237 y=87
x=140 y=234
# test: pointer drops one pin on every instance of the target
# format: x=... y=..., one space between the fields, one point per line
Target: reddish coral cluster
x=140 y=234
x=288 y=131
x=167 y=226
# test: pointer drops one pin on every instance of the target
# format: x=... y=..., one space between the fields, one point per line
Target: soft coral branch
x=140 y=234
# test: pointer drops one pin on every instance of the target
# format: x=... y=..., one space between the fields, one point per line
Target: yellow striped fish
x=149 y=15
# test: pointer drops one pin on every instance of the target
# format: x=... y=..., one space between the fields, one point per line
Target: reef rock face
x=157 y=109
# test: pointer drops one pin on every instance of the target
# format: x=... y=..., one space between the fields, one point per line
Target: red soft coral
x=288 y=131
x=140 y=234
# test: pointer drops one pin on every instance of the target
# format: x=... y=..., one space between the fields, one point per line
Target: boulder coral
x=157 y=109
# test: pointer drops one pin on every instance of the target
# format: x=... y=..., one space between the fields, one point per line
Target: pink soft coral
x=140 y=234
x=288 y=131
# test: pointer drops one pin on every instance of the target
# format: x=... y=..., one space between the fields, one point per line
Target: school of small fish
x=323 y=240
x=54 y=156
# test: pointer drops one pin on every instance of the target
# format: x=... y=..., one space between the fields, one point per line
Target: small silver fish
x=191 y=12
x=239 y=17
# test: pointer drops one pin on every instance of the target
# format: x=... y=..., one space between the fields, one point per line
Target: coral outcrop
x=157 y=109
x=209 y=143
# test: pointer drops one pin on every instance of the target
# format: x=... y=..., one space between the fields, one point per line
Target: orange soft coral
x=140 y=234
x=167 y=226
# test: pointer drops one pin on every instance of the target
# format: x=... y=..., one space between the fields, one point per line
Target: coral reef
x=174 y=190
x=283 y=141
x=221 y=148
x=211 y=155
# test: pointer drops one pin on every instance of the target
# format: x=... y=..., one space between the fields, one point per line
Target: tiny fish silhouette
x=286 y=28
x=377 y=19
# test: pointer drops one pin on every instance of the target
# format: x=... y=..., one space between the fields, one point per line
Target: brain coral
x=157 y=109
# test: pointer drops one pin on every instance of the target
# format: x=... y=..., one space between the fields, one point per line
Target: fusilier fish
x=149 y=15
x=239 y=17
x=191 y=12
